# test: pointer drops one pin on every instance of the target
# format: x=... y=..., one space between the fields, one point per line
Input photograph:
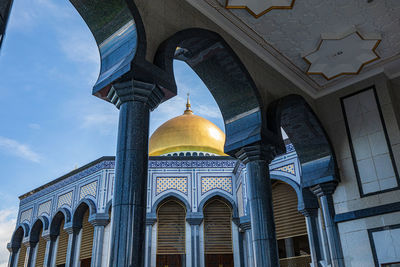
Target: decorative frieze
x=192 y=163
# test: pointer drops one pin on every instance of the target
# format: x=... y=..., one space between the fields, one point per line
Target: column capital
x=72 y=230
x=324 y=189
x=194 y=218
x=134 y=90
x=28 y=244
x=151 y=218
x=99 y=219
x=49 y=237
x=309 y=212
x=245 y=223
x=259 y=151
x=9 y=247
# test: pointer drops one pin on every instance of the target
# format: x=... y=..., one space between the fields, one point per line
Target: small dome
x=187 y=132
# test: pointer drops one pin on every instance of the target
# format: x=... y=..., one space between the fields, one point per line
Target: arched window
x=41 y=250
x=62 y=247
x=218 y=234
x=291 y=229
x=171 y=234
x=86 y=241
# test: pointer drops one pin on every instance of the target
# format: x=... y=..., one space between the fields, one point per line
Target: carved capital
x=151 y=218
x=72 y=230
x=245 y=223
x=310 y=212
x=324 y=189
x=133 y=90
x=266 y=152
x=10 y=248
x=194 y=218
x=99 y=219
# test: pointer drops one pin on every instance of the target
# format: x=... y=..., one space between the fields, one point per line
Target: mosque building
x=196 y=213
x=326 y=72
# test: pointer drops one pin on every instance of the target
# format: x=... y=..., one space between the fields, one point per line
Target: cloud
x=14 y=147
x=80 y=47
x=93 y=114
x=34 y=126
x=7 y=226
x=167 y=110
x=209 y=111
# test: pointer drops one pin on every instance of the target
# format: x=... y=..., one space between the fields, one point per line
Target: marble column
x=73 y=246
x=135 y=99
x=313 y=235
x=150 y=221
x=31 y=253
x=195 y=219
x=99 y=222
x=245 y=225
x=13 y=259
x=324 y=241
x=259 y=195
x=238 y=249
x=50 y=244
x=324 y=193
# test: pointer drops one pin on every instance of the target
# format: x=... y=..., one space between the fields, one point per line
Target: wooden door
x=219 y=260
x=86 y=262
x=169 y=260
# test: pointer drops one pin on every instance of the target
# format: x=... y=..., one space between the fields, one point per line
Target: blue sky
x=50 y=122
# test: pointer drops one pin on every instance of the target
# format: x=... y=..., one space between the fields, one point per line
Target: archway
x=218 y=249
x=86 y=245
x=290 y=225
x=233 y=89
x=171 y=237
x=57 y=230
x=86 y=231
x=18 y=249
x=308 y=137
x=37 y=242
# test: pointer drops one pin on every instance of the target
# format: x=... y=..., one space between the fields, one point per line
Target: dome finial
x=188 y=106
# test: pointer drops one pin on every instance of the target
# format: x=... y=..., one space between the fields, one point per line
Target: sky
x=50 y=122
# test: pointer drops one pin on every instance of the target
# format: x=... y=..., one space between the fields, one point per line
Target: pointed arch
x=168 y=196
x=308 y=137
x=62 y=215
x=18 y=235
x=81 y=207
x=227 y=199
x=235 y=92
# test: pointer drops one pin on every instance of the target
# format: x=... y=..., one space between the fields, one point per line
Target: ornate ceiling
x=258 y=8
x=298 y=41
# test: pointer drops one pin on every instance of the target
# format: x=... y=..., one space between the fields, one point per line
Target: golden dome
x=187 y=133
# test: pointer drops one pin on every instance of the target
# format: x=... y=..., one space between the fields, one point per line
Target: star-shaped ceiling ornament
x=342 y=56
x=257 y=8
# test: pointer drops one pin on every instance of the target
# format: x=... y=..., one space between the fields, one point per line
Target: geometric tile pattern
x=287 y=168
x=65 y=199
x=166 y=183
x=342 y=55
x=209 y=183
x=88 y=190
x=44 y=208
x=25 y=216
